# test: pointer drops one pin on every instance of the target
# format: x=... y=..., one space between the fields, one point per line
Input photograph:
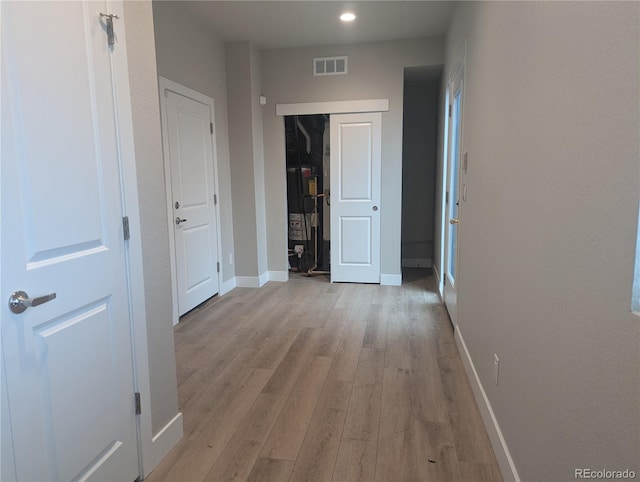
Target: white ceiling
x=303 y=23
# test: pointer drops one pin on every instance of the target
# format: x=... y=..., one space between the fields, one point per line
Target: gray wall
x=247 y=158
x=376 y=70
x=419 y=150
x=190 y=54
x=241 y=149
x=548 y=233
x=258 y=159
x=153 y=215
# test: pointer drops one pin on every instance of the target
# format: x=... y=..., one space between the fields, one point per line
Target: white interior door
x=189 y=133
x=356 y=145
x=68 y=361
x=454 y=198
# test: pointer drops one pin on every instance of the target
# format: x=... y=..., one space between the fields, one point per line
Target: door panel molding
x=127 y=191
x=356 y=154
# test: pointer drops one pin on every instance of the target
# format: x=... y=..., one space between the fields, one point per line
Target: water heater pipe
x=306 y=134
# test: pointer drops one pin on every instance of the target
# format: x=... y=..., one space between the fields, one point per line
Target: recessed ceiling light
x=347 y=17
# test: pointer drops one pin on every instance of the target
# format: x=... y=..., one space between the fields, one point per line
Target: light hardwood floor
x=314 y=381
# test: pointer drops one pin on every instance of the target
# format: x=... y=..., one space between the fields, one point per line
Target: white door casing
x=454 y=196
x=191 y=174
x=68 y=362
x=356 y=153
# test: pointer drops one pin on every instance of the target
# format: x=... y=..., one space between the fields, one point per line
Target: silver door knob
x=454 y=221
x=180 y=220
x=375 y=208
x=19 y=301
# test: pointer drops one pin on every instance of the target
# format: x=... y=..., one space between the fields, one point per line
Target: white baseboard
x=164 y=441
x=254 y=281
x=281 y=276
x=391 y=279
x=227 y=286
x=416 y=262
x=507 y=466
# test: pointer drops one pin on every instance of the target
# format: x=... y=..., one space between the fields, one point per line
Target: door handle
x=19 y=301
x=375 y=208
x=454 y=220
x=180 y=220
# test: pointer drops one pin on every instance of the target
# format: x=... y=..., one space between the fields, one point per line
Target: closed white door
x=68 y=361
x=189 y=132
x=355 y=197
x=454 y=198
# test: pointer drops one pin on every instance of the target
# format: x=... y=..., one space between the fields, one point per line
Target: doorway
x=355 y=134
x=419 y=153
x=455 y=194
x=308 y=193
x=189 y=147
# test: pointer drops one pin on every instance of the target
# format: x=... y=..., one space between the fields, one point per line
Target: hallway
x=309 y=380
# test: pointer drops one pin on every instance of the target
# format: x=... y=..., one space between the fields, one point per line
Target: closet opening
x=308 y=193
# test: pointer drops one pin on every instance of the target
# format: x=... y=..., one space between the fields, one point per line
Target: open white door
x=189 y=134
x=453 y=198
x=356 y=152
x=68 y=361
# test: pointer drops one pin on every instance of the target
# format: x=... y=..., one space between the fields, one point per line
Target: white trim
x=135 y=275
x=227 y=286
x=391 y=279
x=279 y=276
x=176 y=88
x=166 y=85
x=416 y=262
x=165 y=440
x=335 y=107
x=443 y=194
x=505 y=461
x=255 y=281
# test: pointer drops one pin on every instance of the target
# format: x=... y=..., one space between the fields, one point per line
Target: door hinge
x=211 y=127
x=108 y=20
x=446 y=198
x=138 y=404
x=215 y=199
x=125 y=228
x=450 y=109
x=218 y=266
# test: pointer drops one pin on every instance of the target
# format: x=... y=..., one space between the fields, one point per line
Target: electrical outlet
x=496 y=368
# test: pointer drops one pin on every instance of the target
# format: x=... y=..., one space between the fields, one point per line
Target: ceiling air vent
x=330 y=65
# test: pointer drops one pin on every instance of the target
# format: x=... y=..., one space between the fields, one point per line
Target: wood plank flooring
x=313 y=381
